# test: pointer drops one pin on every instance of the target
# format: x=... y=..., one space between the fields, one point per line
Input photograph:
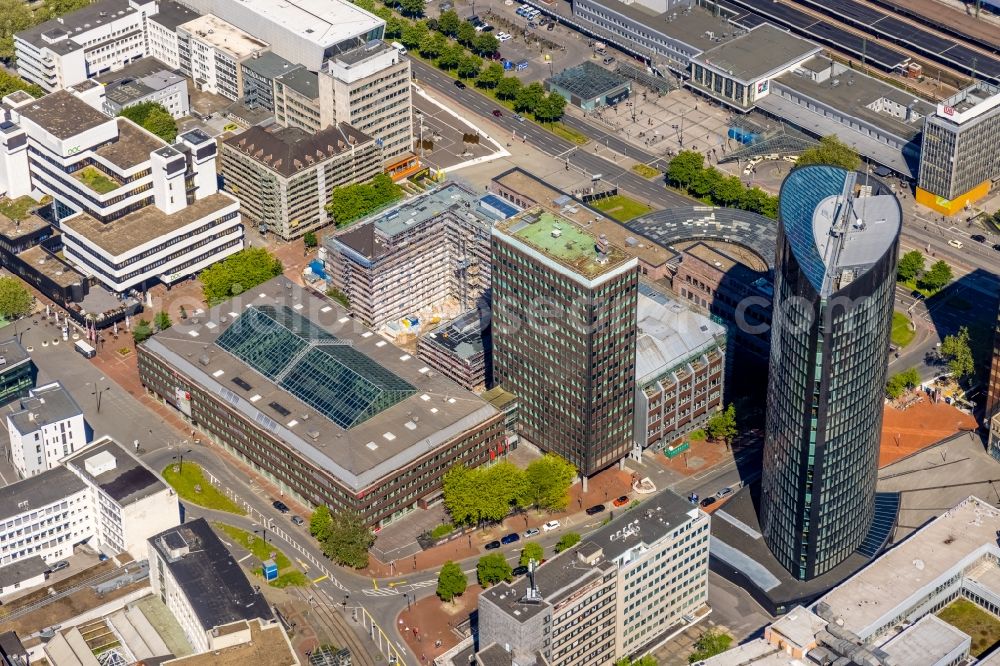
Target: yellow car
x=231 y=127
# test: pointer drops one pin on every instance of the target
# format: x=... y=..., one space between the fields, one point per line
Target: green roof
x=564 y=242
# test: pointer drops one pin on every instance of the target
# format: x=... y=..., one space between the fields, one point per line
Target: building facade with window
x=284 y=178
x=838 y=238
x=17 y=371
x=44 y=428
x=564 y=336
x=132 y=209
x=211 y=52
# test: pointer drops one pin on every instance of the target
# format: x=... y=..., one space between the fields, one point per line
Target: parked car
x=296 y=520
x=497 y=113
x=551 y=525
x=955 y=243
x=280 y=506
x=551 y=26
x=530 y=533
x=979 y=238
x=519 y=571
x=621 y=501
x=708 y=501
x=997 y=247
x=59 y=566
x=510 y=538
x=518 y=117
x=503 y=37
x=492 y=545
x=597 y=508
x=917 y=295
x=725 y=492
x=460 y=85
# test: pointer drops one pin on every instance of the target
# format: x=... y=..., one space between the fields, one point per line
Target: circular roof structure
x=671 y=226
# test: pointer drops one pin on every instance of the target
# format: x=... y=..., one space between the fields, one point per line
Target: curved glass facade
x=834 y=285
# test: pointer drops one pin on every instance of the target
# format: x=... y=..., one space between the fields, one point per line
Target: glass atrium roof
x=313 y=365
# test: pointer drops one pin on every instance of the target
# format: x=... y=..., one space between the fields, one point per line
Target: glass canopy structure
x=313 y=365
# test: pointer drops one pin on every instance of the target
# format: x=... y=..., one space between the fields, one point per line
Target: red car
x=621 y=501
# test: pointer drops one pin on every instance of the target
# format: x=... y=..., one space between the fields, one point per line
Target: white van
x=85 y=349
x=399 y=47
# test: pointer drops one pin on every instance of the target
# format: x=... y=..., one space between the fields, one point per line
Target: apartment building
x=211 y=51
x=680 y=365
x=201 y=584
x=161 y=31
x=145 y=80
x=369 y=88
x=284 y=178
x=296 y=100
x=132 y=209
x=89 y=42
x=102 y=495
x=413 y=256
x=44 y=428
x=620 y=592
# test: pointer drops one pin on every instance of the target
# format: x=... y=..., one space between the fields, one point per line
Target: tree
x=508 y=87
x=394 y=26
x=549 y=479
x=153 y=117
x=483 y=493
x=468 y=66
x=648 y=660
x=339 y=296
x=722 y=425
x=142 y=331
x=238 y=272
x=309 y=239
x=492 y=569
x=755 y=200
x=433 y=45
x=320 y=522
x=348 y=540
x=705 y=182
x=451 y=57
x=491 y=76
x=352 y=202
x=15 y=300
x=485 y=44
x=414 y=34
x=728 y=191
x=529 y=97
x=568 y=540
x=10 y=83
x=531 y=551
x=17 y=16
x=551 y=108
x=910 y=266
x=937 y=278
x=710 y=644
x=461 y=495
x=448 y=23
x=411 y=8
x=901 y=382
x=832 y=151
x=958 y=353
x=162 y=321
x=466 y=34
x=685 y=167
x=451 y=581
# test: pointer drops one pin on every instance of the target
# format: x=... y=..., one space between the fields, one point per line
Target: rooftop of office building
x=695 y=27
x=62 y=114
x=52 y=267
x=12 y=354
x=116 y=471
x=224 y=36
x=268 y=646
x=462 y=336
x=758 y=53
x=87 y=17
x=171 y=14
x=143 y=225
x=854 y=93
x=370 y=237
x=553 y=238
x=302 y=368
x=212 y=581
x=670 y=333
x=302 y=81
x=46 y=404
x=269 y=65
x=289 y=150
x=29 y=224
x=42 y=489
x=137 y=80
x=362 y=52
x=839 y=223
x=971 y=102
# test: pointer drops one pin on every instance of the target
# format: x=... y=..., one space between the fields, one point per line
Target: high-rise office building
x=958 y=154
x=564 y=332
x=838 y=237
x=993 y=386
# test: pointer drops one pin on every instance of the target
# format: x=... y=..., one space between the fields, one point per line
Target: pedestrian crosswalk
x=399 y=589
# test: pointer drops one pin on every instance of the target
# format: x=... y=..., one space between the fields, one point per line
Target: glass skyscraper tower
x=838 y=239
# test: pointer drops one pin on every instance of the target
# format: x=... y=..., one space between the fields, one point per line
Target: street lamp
x=180 y=459
x=97 y=391
x=263 y=534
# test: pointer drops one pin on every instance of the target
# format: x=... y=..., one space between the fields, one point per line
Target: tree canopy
x=451 y=581
x=162 y=321
x=648 y=660
x=687 y=171
x=142 y=331
x=711 y=643
x=492 y=569
x=722 y=425
x=153 y=117
x=957 y=351
x=531 y=551
x=15 y=299
x=238 y=272
x=568 y=540
x=902 y=382
x=937 y=277
x=833 y=151
x=9 y=82
x=352 y=202
x=347 y=539
x=910 y=266
x=548 y=482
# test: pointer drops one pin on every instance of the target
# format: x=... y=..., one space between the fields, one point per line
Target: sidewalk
x=428 y=626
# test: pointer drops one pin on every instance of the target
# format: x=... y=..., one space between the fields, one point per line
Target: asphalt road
x=576 y=157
